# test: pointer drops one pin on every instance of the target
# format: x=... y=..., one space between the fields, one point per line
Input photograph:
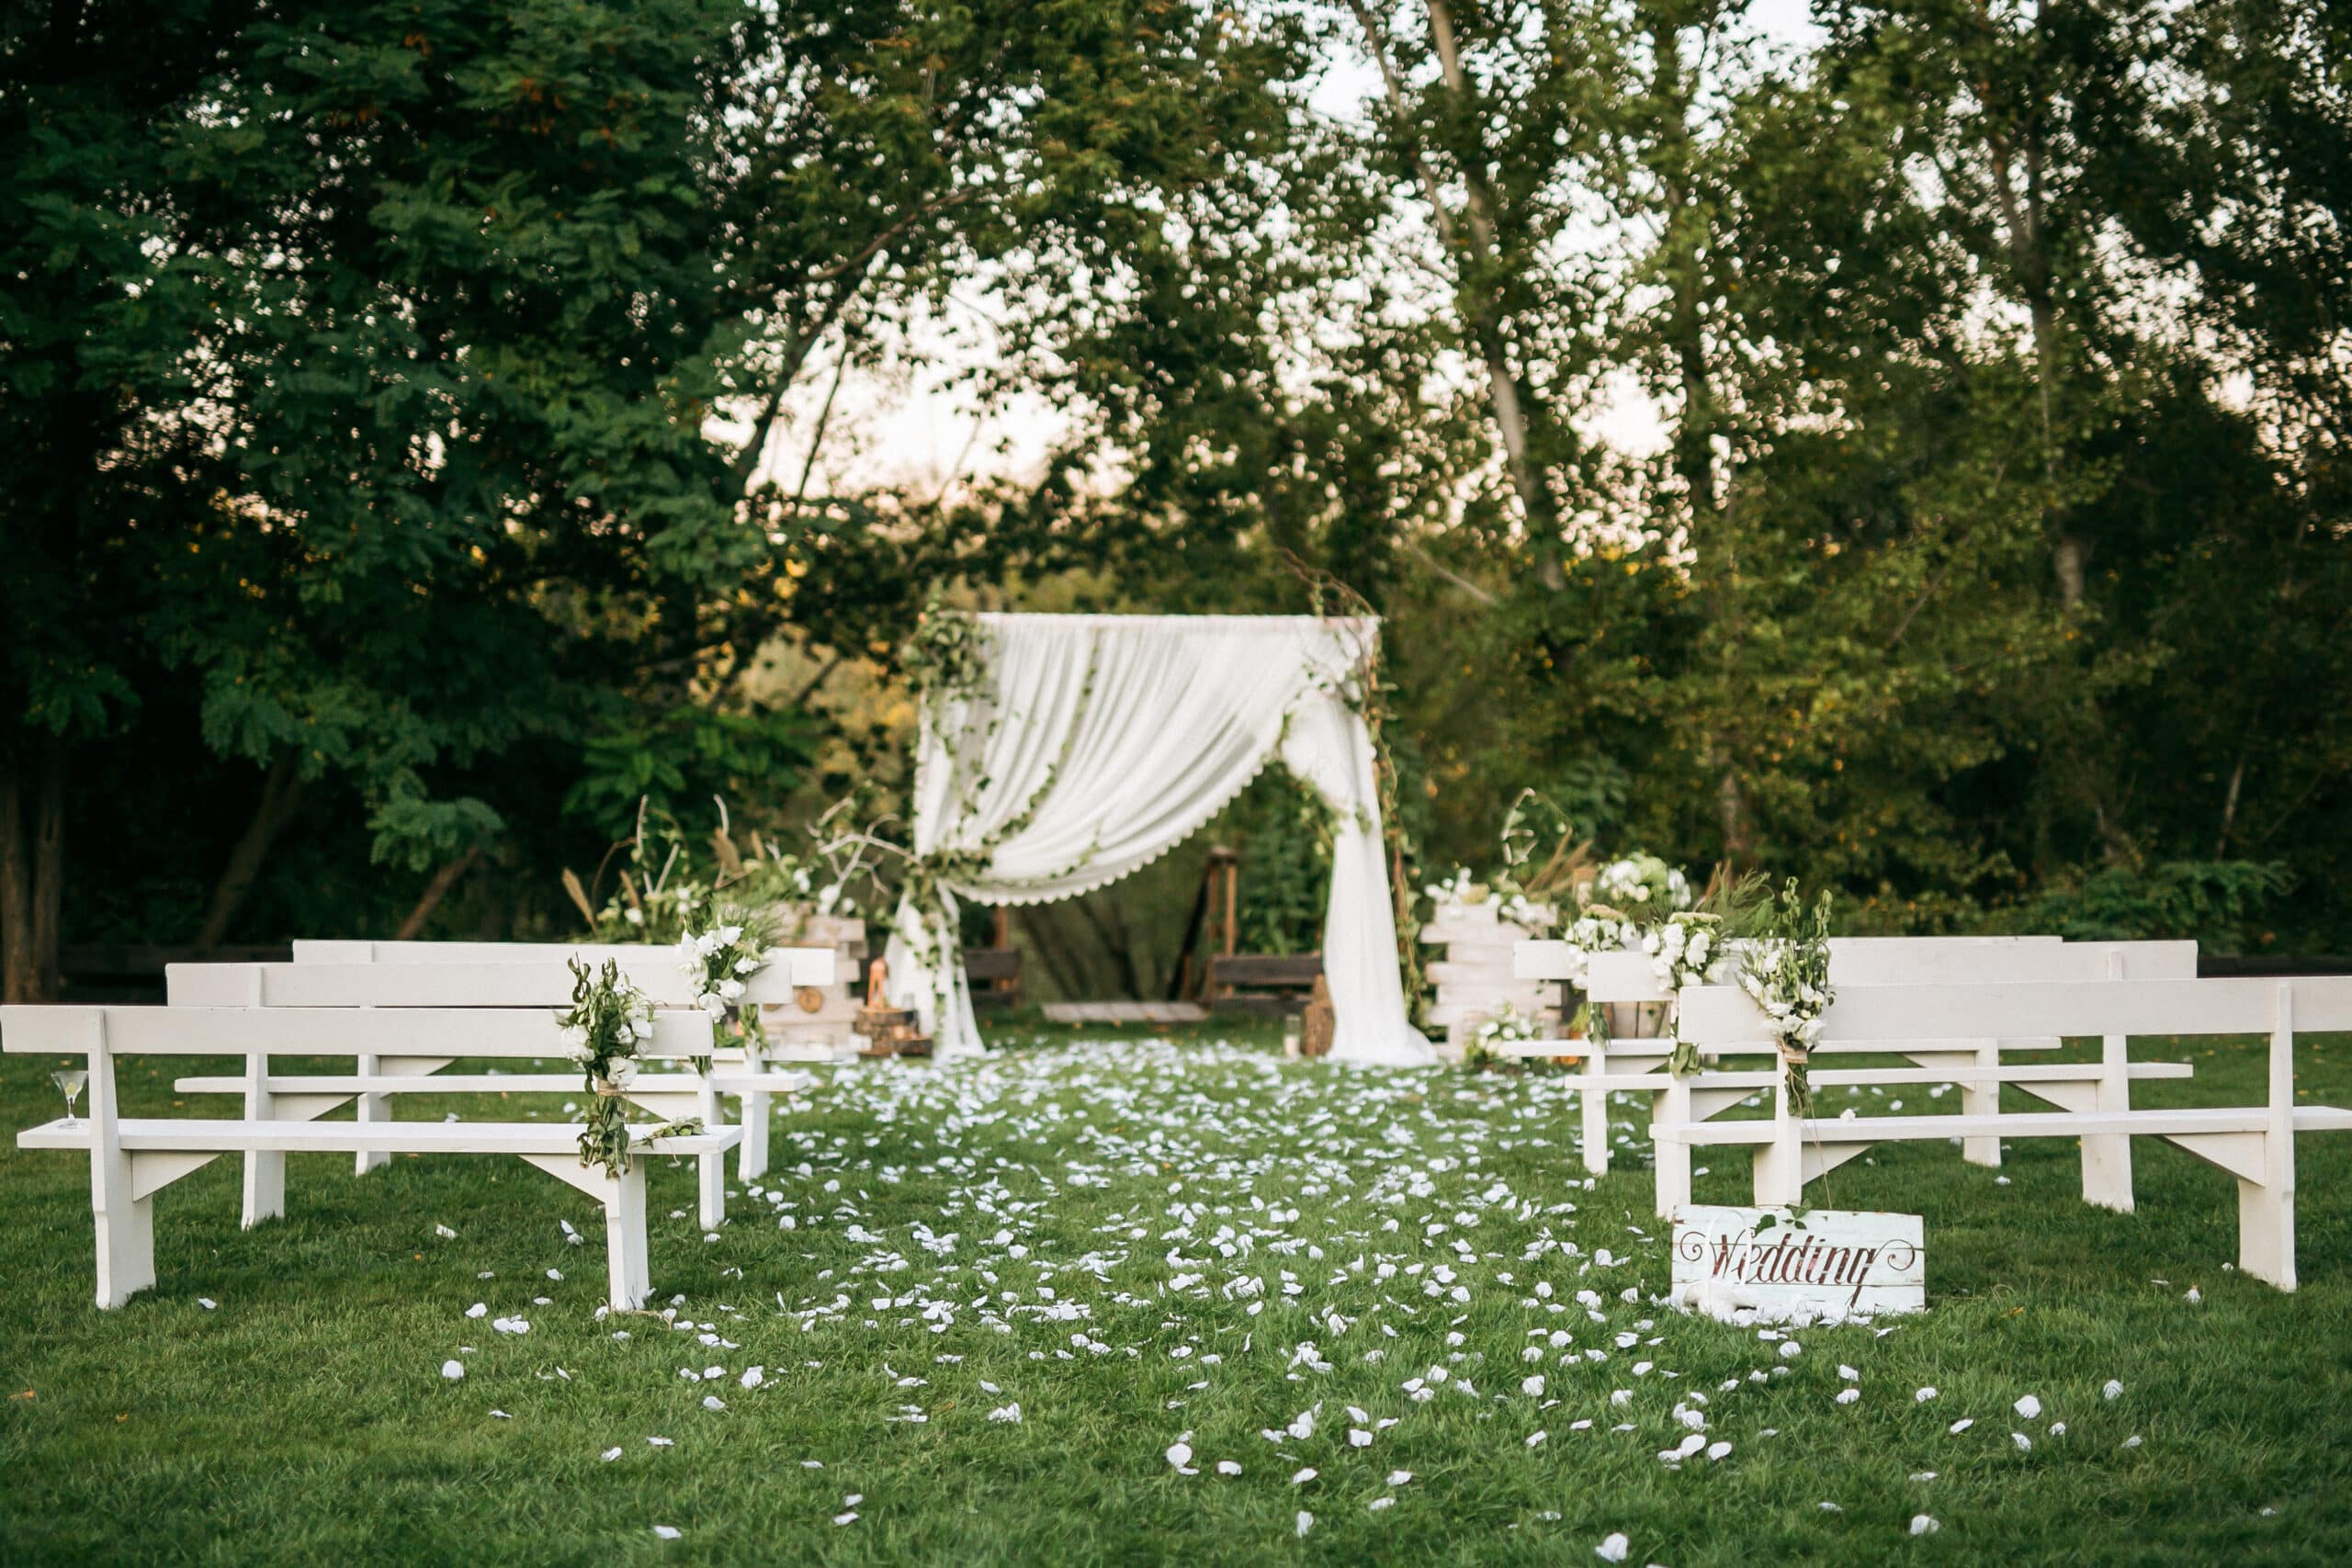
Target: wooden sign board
x=1779 y=1261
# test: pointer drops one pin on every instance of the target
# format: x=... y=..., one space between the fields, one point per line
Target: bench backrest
x=800 y=965
x=655 y=971
x=1265 y=969
x=324 y=1031
x=1926 y=961
x=1721 y=1017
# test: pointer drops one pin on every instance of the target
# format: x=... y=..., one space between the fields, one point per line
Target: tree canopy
x=412 y=412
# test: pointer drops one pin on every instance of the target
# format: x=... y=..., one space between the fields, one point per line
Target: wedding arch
x=1060 y=754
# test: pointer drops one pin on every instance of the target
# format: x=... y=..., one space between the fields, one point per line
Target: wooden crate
x=818 y=1017
x=1475 y=980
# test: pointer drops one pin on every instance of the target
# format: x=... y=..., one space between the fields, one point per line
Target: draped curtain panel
x=1092 y=745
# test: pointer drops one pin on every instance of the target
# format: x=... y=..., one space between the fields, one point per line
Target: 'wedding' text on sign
x=1778 y=1260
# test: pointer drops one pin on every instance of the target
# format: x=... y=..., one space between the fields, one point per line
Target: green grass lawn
x=1146 y=1241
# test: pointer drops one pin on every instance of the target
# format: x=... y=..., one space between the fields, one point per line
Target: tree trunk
x=18 y=976
x=48 y=870
x=1731 y=809
x=434 y=891
x=281 y=792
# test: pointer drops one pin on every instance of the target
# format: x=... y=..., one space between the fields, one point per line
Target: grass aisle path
x=1390 y=1300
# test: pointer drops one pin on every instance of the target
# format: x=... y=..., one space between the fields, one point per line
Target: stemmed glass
x=69 y=1081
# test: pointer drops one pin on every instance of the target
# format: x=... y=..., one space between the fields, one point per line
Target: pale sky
x=909 y=423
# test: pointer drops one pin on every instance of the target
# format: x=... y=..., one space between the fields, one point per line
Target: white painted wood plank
x=195 y=1135
x=655 y=971
x=1714 y=1015
x=1828 y=1259
x=804 y=965
x=389 y=1031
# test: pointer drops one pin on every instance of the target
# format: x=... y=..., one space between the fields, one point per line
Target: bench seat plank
x=196 y=1135
x=2018 y=1125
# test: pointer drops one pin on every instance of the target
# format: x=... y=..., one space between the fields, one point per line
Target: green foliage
x=686 y=756
x=1284 y=833
x=2220 y=903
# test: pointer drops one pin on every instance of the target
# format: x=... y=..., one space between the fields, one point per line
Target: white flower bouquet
x=1785 y=973
x=1684 y=950
x=608 y=1020
x=719 y=960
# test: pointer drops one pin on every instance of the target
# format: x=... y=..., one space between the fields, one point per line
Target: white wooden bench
x=1974 y=1065
x=2255 y=1144
x=754 y=1076
x=132 y=1158
x=377 y=1077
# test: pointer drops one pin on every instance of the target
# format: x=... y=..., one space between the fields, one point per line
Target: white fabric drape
x=1094 y=744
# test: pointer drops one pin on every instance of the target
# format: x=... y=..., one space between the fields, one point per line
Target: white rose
x=745 y=965
x=641 y=1027
x=730 y=989
x=622 y=1072
x=712 y=1003
x=729 y=936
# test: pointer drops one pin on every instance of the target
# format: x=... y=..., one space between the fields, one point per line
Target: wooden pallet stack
x=815 y=1024
x=1474 y=980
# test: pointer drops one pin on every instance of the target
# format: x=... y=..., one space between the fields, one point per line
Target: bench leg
x=265 y=1196
x=711 y=1168
x=1671 y=1107
x=2107 y=1156
x=1596 y=1117
x=125 y=1227
x=752 y=1158
x=2267 y=1207
x=371 y=1108
x=265 y=1190
x=1983 y=1099
x=2267 y=1233
x=630 y=1275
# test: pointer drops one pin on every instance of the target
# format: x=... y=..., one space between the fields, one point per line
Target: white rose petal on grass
x=1377 y=1503
x=1009 y=1414
x=611 y=1454
x=445 y=1233
x=712 y=1401
x=2028 y=1408
x=1848 y=1396
x=1537 y=1440
x=753 y=1377
x=1922 y=1525
x=2114 y=1389
x=1962 y=1424
x=1358 y=1438
x=207 y=1302
x=1179 y=1455
x=2133 y=1441
x=1399 y=1477
x=667 y=1532
x=1614 y=1547
x=1305 y=1523
x=1924 y=1395
x=848 y=1518
x=1532 y=1387
x=662 y=1443
x=1304 y=1476
x=1228 y=1467
x=453 y=1371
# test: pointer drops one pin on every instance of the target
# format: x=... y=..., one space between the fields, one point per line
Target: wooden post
x=1232 y=897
